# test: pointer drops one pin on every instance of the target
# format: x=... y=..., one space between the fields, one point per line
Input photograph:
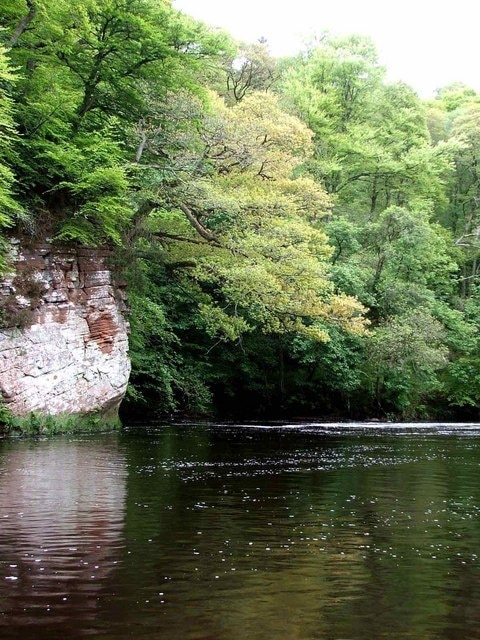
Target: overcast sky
x=424 y=43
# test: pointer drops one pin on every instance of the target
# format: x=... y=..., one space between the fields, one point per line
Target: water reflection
x=61 y=531
x=240 y=533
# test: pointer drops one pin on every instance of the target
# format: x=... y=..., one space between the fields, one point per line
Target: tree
x=250 y=228
x=84 y=73
x=455 y=95
x=8 y=205
x=251 y=69
x=259 y=208
x=372 y=145
x=403 y=358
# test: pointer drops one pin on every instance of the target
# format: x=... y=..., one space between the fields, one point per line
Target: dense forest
x=299 y=236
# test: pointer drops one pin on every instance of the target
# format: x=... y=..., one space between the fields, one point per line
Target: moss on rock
x=37 y=424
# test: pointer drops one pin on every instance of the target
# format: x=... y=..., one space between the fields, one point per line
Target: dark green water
x=226 y=533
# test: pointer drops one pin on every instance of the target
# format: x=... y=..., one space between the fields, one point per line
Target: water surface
x=228 y=532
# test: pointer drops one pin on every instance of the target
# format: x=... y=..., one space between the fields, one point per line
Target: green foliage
x=167 y=367
x=8 y=205
x=306 y=221
x=85 y=73
x=462 y=376
x=371 y=140
x=6 y=418
x=403 y=357
x=455 y=95
x=37 y=424
x=328 y=375
x=263 y=260
x=250 y=68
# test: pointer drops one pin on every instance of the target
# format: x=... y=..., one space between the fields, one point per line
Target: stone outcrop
x=64 y=349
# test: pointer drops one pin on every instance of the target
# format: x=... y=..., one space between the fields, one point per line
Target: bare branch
x=464 y=241
x=476 y=275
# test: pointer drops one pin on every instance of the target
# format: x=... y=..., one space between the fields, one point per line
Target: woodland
x=299 y=237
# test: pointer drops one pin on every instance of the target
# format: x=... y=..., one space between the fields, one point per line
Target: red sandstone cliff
x=68 y=353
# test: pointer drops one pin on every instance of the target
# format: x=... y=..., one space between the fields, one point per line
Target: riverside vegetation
x=298 y=235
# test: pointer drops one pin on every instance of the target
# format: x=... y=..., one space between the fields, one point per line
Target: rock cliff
x=63 y=345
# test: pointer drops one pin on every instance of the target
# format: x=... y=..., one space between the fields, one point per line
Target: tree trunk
x=23 y=24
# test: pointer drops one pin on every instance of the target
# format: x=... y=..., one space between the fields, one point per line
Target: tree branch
x=464 y=242
x=181 y=264
x=143 y=141
x=173 y=236
x=203 y=231
x=23 y=24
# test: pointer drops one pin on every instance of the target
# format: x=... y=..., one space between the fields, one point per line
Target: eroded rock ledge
x=64 y=350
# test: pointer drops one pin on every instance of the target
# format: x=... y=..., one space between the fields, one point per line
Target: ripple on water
x=229 y=532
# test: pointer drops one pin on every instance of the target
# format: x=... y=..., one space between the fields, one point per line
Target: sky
x=424 y=43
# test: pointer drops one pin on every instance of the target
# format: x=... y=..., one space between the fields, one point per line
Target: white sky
x=425 y=43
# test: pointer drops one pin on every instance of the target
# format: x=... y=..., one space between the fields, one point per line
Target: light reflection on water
x=61 y=525
x=234 y=532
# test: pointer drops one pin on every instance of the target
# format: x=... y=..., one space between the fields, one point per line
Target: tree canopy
x=297 y=234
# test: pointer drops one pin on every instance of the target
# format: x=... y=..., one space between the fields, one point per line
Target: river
x=222 y=532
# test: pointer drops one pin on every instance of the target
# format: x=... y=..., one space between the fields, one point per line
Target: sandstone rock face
x=66 y=351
